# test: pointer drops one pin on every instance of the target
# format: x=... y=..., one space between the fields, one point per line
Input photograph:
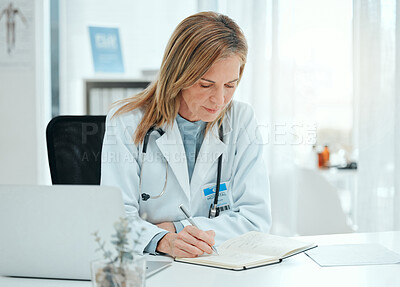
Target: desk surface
x=295 y=271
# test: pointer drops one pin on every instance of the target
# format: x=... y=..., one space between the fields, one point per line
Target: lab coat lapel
x=210 y=150
x=171 y=146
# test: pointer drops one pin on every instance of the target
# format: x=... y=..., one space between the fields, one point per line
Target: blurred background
x=322 y=76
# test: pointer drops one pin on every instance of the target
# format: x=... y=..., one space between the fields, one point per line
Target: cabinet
x=100 y=94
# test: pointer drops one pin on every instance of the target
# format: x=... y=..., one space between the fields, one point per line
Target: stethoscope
x=214 y=209
x=146 y=196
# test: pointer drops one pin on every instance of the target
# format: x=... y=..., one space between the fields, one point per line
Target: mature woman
x=172 y=143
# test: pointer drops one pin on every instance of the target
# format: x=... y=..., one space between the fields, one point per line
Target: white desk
x=295 y=271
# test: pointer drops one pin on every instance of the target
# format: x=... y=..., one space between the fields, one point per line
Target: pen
x=189 y=218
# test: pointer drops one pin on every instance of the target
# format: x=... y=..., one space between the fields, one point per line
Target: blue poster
x=106 y=50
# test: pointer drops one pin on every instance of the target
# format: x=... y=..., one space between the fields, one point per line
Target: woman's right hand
x=190 y=242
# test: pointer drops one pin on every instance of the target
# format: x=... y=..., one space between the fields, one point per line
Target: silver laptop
x=46 y=231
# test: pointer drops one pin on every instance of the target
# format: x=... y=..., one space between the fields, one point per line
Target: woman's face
x=208 y=96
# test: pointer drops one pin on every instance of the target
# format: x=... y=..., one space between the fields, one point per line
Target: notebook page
x=265 y=244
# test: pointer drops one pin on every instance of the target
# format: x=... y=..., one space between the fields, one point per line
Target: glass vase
x=116 y=274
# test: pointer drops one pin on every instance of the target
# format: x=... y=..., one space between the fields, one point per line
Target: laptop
x=47 y=231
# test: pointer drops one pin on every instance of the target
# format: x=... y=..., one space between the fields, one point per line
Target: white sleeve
x=251 y=208
x=120 y=168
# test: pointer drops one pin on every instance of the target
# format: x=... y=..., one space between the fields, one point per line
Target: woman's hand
x=190 y=242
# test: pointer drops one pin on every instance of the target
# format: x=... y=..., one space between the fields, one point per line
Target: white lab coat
x=243 y=170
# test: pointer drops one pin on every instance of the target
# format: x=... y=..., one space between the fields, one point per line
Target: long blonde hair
x=197 y=42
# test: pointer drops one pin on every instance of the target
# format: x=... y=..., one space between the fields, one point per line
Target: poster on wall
x=17 y=33
x=106 y=50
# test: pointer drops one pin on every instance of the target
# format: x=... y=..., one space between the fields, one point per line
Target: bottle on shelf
x=325 y=156
x=318 y=151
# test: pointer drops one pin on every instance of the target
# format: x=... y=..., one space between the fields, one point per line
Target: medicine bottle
x=325 y=156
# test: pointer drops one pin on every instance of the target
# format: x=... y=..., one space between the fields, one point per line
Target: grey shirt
x=192 y=134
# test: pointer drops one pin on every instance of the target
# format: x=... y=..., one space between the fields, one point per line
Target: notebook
x=46 y=231
x=253 y=249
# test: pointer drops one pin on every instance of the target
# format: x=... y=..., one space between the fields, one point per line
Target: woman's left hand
x=168 y=226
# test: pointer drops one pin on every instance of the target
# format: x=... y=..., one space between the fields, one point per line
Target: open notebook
x=250 y=250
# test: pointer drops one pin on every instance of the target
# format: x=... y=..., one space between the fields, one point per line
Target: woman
x=191 y=103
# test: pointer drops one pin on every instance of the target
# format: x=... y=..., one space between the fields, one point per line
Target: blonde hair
x=197 y=42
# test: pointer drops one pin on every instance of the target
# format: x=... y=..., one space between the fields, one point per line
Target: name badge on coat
x=223 y=198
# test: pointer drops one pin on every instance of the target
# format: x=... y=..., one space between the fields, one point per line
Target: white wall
x=25 y=89
x=145 y=27
x=24 y=102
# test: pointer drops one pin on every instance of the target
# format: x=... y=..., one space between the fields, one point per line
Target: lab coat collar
x=227 y=123
x=173 y=150
x=211 y=148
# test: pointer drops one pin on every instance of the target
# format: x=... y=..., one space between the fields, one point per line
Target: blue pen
x=189 y=218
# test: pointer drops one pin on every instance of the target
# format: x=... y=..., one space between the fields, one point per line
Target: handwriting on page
x=262 y=243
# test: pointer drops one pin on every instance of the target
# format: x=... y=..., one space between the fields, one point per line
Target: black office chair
x=74 y=146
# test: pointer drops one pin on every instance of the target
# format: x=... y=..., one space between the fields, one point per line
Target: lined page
x=265 y=244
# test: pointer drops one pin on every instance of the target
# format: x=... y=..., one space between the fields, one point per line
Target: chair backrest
x=319 y=208
x=74 y=146
x=304 y=202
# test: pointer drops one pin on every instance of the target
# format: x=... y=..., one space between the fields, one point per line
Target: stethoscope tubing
x=146 y=196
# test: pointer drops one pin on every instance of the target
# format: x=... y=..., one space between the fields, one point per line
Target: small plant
x=116 y=271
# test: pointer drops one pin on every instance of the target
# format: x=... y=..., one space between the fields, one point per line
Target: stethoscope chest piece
x=145 y=196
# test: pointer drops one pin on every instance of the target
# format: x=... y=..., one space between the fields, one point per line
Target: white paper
x=353 y=254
